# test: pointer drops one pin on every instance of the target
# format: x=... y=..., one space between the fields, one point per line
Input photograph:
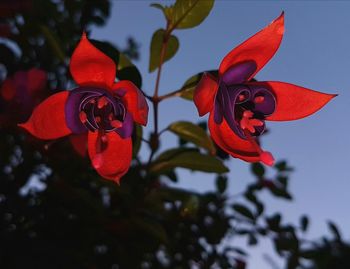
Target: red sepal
x=91 y=67
x=113 y=160
x=134 y=100
x=259 y=48
x=204 y=94
x=79 y=143
x=294 y=102
x=226 y=139
x=48 y=119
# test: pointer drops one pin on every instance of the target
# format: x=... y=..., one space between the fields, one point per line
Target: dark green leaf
x=304 y=223
x=221 y=183
x=193 y=133
x=126 y=70
x=53 y=41
x=244 y=211
x=252 y=198
x=190 y=13
x=188 y=158
x=282 y=166
x=152 y=228
x=190 y=206
x=191 y=83
x=258 y=169
x=252 y=240
x=136 y=139
x=333 y=228
x=156 y=48
x=274 y=222
x=280 y=192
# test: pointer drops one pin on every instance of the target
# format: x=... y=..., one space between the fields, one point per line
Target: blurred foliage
x=56 y=212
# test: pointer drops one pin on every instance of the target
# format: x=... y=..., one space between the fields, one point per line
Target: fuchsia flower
x=99 y=106
x=239 y=107
x=19 y=94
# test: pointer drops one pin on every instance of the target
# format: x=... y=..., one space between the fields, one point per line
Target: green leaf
x=190 y=84
x=244 y=211
x=167 y=11
x=187 y=158
x=193 y=133
x=190 y=13
x=126 y=70
x=156 y=48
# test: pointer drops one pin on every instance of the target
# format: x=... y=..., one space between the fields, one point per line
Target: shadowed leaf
x=156 y=48
x=193 y=133
x=188 y=158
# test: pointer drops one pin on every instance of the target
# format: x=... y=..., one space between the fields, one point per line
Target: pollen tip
x=116 y=123
x=267 y=158
x=97 y=161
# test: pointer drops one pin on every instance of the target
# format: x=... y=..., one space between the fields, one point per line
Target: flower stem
x=155 y=98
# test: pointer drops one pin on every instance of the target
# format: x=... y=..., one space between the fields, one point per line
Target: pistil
x=265 y=156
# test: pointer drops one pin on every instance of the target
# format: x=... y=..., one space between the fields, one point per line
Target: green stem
x=155 y=97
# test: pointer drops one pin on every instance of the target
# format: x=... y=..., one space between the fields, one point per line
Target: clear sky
x=314 y=54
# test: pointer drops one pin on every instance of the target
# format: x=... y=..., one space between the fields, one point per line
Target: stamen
x=82 y=116
x=103 y=101
x=247 y=122
x=98 y=119
x=116 y=123
x=265 y=156
x=259 y=99
x=104 y=138
x=241 y=97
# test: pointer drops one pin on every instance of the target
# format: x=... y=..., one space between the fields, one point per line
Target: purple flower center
x=97 y=109
x=244 y=106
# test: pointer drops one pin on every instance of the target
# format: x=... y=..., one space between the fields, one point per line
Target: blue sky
x=314 y=54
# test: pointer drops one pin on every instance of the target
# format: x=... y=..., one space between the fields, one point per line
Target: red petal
x=91 y=67
x=79 y=143
x=294 y=102
x=204 y=94
x=135 y=101
x=259 y=48
x=8 y=89
x=226 y=139
x=114 y=160
x=48 y=119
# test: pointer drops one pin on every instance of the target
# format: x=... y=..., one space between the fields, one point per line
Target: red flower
x=239 y=107
x=19 y=94
x=100 y=107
